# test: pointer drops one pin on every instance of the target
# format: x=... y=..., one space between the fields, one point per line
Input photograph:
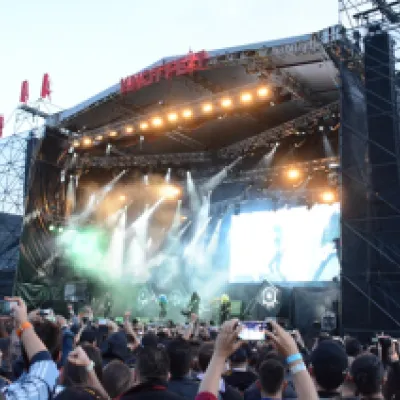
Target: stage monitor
x=294 y=244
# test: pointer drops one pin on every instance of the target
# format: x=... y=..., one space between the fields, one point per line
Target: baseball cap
x=330 y=363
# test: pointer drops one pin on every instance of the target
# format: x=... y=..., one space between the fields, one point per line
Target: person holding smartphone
x=40 y=380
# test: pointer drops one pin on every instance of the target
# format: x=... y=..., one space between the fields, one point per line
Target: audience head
x=79 y=393
x=152 y=364
x=239 y=357
x=116 y=347
x=367 y=373
x=180 y=357
x=205 y=354
x=329 y=365
x=117 y=378
x=50 y=334
x=353 y=347
x=272 y=378
x=88 y=336
x=150 y=339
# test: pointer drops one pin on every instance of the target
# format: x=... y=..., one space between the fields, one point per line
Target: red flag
x=45 y=92
x=24 y=97
x=1 y=125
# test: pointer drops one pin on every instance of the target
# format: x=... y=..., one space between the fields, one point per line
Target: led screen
x=290 y=244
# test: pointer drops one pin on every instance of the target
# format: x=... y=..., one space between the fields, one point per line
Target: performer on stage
x=225 y=309
x=194 y=304
x=108 y=303
x=163 y=302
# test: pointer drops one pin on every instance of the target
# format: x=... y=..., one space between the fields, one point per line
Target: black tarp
x=36 y=280
x=10 y=230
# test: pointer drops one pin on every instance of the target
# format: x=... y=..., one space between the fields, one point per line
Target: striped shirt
x=38 y=383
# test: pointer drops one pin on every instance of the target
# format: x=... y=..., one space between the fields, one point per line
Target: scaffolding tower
x=370 y=167
x=16 y=158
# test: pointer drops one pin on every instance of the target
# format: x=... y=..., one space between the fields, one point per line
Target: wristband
x=297 y=368
x=90 y=366
x=23 y=327
x=293 y=358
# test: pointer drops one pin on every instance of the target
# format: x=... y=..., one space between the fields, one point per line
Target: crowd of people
x=46 y=356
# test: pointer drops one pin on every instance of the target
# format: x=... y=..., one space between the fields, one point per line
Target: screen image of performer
x=225 y=308
x=194 y=304
x=163 y=302
x=108 y=303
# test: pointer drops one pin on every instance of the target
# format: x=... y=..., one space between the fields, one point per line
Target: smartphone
x=252 y=331
x=6 y=307
x=102 y=321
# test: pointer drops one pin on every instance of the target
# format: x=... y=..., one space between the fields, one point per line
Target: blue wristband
x=293 y=358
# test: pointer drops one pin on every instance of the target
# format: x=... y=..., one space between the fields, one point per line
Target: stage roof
x=302 y=63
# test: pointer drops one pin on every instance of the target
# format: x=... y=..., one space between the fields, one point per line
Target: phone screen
x=102 y=321
x=5 y=307
x=252 y=331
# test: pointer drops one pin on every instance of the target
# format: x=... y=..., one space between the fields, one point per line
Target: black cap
x=329 y=361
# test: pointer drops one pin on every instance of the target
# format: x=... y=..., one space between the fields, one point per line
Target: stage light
x=129 y=129
x=76 y=143
x=113 y=134
x=60 y=229
x=246 y=97
x=262 y=92
x=226 y=102
x=99 y=138
x=122 y=198
x=207 y=107
x=52 y=228
x=87 y=141
x=187 y=113
x=172 y=117
x=328 y=196
x=144 y=126
x=157 y=122
x=293 y=173
x=169 y=191
x=168 y=175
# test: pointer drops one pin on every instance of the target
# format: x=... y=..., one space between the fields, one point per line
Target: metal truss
x=277 y=133
x=330 y=163
x=360 y=19
x=356 y=16
x=141 y=161
x=12 y=173
x=264 y=62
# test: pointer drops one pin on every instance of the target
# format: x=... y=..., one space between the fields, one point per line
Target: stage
x=220 y=172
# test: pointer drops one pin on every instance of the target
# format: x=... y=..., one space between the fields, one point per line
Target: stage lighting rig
x=328 y=197
x=293 y=174
x=169 y=192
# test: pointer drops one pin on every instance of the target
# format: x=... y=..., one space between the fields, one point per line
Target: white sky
x=88 y=45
